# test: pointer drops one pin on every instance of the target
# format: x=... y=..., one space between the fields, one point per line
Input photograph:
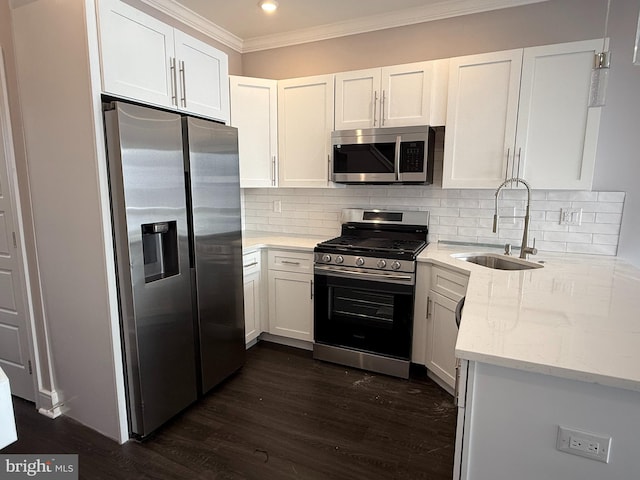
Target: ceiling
x=243 y=26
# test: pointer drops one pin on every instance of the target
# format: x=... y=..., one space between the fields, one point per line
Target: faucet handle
x=507 y=249
x=534 y=250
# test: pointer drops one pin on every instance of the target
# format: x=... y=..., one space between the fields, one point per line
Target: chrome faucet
x=525 y=250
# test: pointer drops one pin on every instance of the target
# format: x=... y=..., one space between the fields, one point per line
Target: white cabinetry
x=305 y=123
x=522 y=113
x=254 y=112
x=252 y=295
x=411 y=94
x=446 y=289
x=146 y=60
x=291 y=294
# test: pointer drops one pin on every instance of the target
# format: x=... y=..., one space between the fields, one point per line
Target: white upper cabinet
x=137 y=53
x=522 y=113
x=305 y=123
x=481 y=119
x=203 y=77
x=401 y=95
x=557 y=131
x=145 y=60
x=254 y=112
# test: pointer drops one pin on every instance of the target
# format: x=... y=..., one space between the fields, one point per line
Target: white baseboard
x=290 y=342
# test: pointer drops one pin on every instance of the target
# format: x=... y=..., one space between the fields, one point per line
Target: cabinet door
x=406 y=94
x=481 y=119
x=254 y=112
x=252 y=327
x=357 y=99
x=419 y=339
x=442 y=333
x=305 y=122
x=136 y=52
x=291 y=305
x=203 y=78
x=557 y=131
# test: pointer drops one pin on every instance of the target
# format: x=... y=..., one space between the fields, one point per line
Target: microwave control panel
x=412 y=157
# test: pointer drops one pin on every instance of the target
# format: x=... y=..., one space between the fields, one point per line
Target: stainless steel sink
x=496 y=261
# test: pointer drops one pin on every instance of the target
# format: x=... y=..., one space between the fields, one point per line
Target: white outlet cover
x=584 y=444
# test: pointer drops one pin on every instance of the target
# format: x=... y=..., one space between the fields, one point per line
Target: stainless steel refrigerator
x=175 y=200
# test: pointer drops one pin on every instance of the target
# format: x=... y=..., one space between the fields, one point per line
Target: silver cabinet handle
x=519 y=157
x=289 y=262
x=456 y=389
x=249 y=265
x=397 y=157
x=382 y=102
x=375 y=106
x=311 y=282
x=183 y=85
x=428 y=307
x=174 y=93
x=273 y=170
x=329 y=177
x=506 y=170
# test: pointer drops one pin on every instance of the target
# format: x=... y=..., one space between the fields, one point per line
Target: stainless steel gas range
x=364 y=290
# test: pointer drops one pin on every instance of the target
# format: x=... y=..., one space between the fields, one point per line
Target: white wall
x=618 y=161
x=65 y=155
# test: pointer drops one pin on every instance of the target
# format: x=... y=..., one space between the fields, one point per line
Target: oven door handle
x=347 y=273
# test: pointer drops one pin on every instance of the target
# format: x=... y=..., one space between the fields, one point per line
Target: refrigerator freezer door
x=212 y=162
x=145 y=152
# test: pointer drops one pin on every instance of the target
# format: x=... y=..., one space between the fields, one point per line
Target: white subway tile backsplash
x=608 y=218
x=568 y=237
x=457 y=215
x=598 y=207
x=611 y=197
x=601 y=239
x=573 y=196
x=591 y=248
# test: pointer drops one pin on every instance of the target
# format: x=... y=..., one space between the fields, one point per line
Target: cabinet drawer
x=251 y=263
x=451 y=284
x=290 y=261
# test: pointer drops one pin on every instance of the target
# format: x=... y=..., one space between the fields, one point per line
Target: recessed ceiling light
x=268 y=6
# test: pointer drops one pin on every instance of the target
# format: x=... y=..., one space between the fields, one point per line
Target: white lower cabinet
x=438 y=291
x=252 y=296
x=291 y=294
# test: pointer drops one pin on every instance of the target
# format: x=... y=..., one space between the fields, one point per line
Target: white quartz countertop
x=254 y=240
x=578 y=317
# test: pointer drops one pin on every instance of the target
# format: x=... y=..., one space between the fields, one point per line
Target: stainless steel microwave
x=383 y=155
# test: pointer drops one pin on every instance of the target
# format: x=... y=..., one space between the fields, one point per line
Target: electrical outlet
x=570 y=216
x=277 y=206
x=585 y=444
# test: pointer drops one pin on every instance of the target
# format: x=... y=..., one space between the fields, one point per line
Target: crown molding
x=197 y=22
x=411 y=16
x=434 y=11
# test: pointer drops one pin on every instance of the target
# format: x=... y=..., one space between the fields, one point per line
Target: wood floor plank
x=283 y=416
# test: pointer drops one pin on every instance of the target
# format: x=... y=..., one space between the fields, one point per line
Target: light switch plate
x=590 y=445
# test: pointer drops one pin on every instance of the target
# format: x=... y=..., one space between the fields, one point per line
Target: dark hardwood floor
x=283 y=416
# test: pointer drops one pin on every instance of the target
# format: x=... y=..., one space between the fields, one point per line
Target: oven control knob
x=339 y=259
x=395 y=265
x=326 y=258
x=359 y=261
x=382 y=263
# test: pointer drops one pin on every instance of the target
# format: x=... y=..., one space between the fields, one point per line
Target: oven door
x=363 y=312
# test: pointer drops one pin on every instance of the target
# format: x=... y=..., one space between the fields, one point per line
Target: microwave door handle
x=397 y=157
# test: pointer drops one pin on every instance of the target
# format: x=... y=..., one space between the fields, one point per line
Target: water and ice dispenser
x=160 y=250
